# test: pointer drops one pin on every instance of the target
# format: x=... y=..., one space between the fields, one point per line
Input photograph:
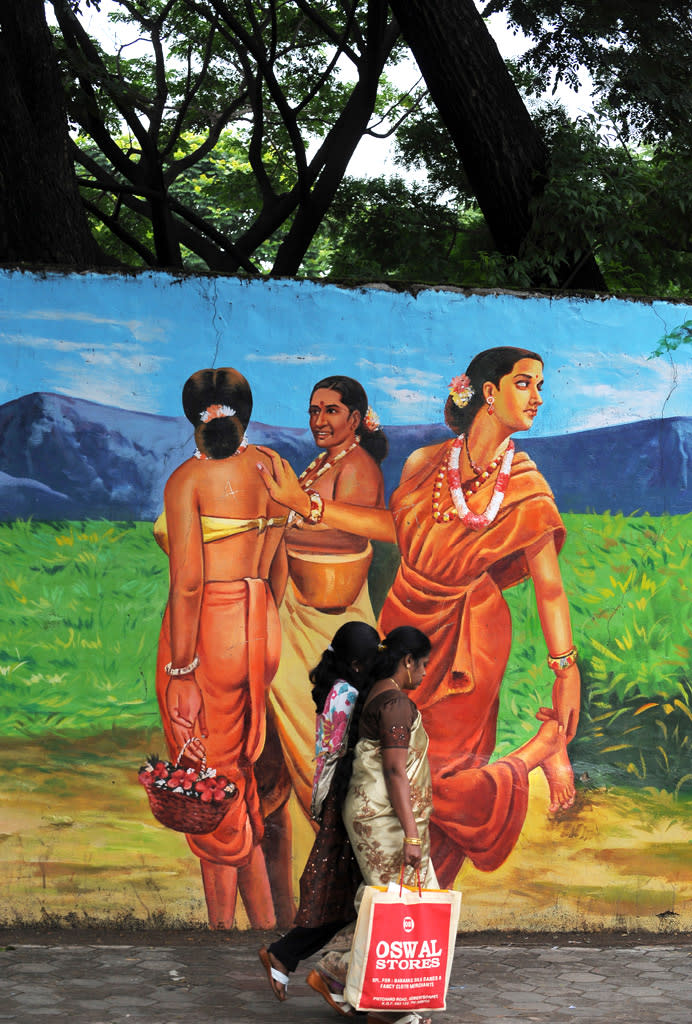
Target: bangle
x=316 y=507
x=559 y=662
x=413 y=842
x=185 y=670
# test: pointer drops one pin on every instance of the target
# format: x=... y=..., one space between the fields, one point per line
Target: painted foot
x=558 y=771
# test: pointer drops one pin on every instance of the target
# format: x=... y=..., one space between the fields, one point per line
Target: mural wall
x=539 y=833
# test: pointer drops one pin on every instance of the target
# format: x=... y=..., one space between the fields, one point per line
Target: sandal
x=277 y=979
x=319 y=983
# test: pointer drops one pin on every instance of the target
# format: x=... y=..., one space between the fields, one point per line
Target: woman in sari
x=331 y=876
x=471 y=518
x=389 y=797
x=220 y=639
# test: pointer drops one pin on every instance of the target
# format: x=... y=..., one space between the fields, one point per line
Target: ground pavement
x=205 y=978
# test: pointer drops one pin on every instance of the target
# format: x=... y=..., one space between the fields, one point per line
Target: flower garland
x=216 y=412
x=323 y=466
x=450 y=466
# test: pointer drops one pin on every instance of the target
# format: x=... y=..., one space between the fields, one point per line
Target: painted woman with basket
x=388 y=801
x=220 y=639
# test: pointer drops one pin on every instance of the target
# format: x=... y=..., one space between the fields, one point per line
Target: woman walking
x=331 y=876
x=389 y=797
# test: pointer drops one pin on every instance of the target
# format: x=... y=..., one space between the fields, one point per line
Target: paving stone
x=490 y=985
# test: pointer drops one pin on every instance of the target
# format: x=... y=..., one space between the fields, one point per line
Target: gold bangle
x=413 y=842
x=559 y=662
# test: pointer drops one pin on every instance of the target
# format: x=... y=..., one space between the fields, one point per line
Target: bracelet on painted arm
x=316 y=512
x=184 y=670
x=413 y=842
x=559 y=662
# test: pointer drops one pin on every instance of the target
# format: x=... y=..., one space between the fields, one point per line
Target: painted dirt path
x=78 y=846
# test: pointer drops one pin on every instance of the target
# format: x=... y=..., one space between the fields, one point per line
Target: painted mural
x=508 y=473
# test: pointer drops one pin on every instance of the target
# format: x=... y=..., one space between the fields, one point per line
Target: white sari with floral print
x=372 y=825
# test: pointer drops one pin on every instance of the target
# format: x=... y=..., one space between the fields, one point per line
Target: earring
x=490 y=405
x=408 y=673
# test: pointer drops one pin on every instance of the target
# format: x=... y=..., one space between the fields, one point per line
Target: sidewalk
x=549 y=980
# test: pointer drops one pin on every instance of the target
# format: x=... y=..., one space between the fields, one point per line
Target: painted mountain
x=65 y=458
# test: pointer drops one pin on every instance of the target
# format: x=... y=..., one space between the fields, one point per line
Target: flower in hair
x=216 y=412
x=382 y=646
x=461 y=390
x=371 y=421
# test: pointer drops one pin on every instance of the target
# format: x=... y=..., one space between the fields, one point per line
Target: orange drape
x=238 y=645
x=449 y=585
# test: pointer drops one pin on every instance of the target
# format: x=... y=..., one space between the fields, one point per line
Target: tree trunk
x=42 y=219
x=502 y=151
x=341 y=143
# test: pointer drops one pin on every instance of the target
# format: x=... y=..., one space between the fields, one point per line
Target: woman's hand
x=281 y=482
x=413 y=855
x=566 y=702
x=185 y=706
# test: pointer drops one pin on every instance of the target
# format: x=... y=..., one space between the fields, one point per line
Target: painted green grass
x=80 y=611
x=81 y=606
x=630 y=591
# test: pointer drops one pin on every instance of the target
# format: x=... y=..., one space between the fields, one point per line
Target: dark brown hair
x=493 y=364
x=353 y=395
x=218 y=438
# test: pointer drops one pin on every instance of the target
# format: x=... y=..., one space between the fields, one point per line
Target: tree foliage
x=218 y=133
x=272 y=72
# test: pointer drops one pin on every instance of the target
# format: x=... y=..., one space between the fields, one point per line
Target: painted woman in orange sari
x=471 y=518
x=220 y=639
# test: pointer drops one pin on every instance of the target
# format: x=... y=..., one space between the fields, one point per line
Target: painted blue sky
x=131 y=341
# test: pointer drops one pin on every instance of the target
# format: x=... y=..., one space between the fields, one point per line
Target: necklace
x=472 y=464
x=239 y=451
x=450 y=466
x=321 y=465
x=393 y=680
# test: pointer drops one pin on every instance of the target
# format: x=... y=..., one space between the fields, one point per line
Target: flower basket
x=186 y=799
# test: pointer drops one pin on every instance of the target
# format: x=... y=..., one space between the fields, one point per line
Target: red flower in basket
x=182 y=778
x=186 y=799
x=212 y=790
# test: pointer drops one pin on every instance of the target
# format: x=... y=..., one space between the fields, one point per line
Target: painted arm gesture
x=282 y=484
x=553 y=611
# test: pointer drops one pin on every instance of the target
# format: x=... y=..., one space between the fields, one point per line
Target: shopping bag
x=402 y=950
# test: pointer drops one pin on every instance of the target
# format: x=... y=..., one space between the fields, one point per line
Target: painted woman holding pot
x=472 y=517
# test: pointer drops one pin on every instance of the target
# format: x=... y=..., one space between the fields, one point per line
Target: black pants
x=300 y=943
